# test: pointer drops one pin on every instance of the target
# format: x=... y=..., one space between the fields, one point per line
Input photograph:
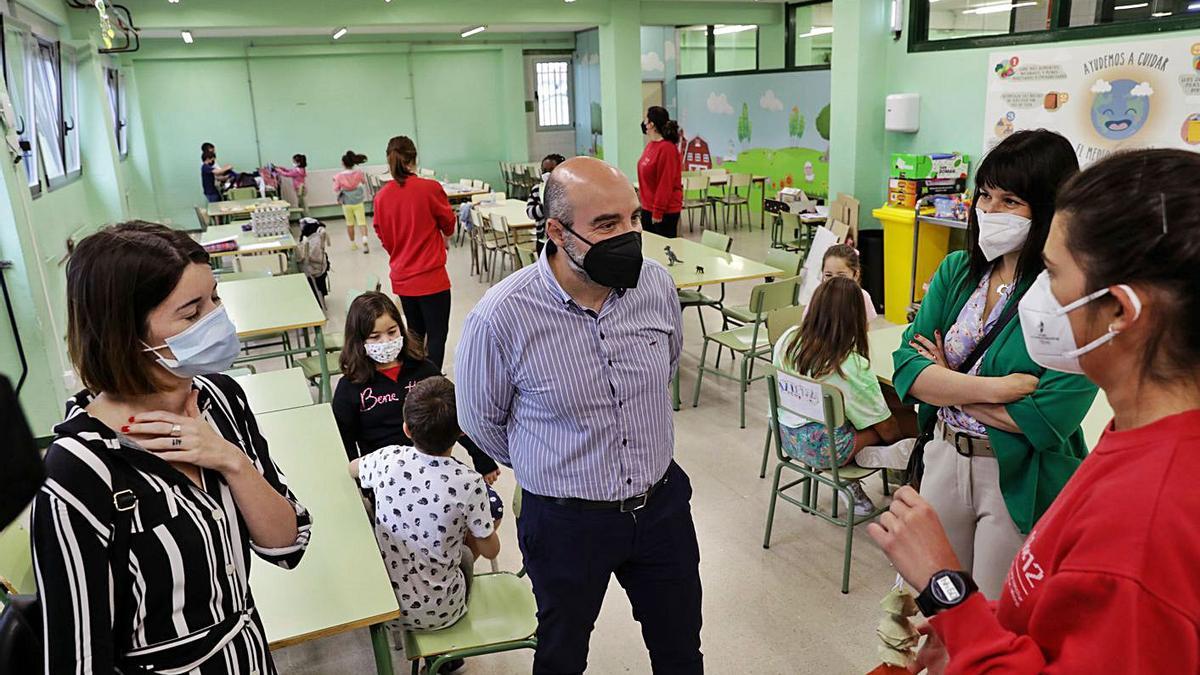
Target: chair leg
x=847 y=551
x=771 y=508
x=744 y=384
x=762 y=470
x=700 y=375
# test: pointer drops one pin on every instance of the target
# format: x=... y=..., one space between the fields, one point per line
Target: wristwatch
x=946 y=589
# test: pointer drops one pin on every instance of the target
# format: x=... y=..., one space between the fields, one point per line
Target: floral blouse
x=960 y=341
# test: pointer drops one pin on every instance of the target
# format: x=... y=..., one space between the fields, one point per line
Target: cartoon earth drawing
x=1006 y=69
x=1004 y=127
x=1120 y=109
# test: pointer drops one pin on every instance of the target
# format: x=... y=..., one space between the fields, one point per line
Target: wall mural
x=771 y=124
x=589 y=130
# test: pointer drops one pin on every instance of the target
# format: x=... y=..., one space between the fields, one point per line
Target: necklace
x=1004 y=286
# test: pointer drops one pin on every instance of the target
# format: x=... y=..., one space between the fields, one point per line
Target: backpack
x=21 y=648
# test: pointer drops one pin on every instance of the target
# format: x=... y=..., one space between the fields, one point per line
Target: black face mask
x=615 y=262
x=644 y=131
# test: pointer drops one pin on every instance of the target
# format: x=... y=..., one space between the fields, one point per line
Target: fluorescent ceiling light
x=568 y=0
x=339 y=32
x=820 y=30
x=173 y=2
x=471 y=31
x=725 y=30
x=1138 y=5
x=1194 y=6
x=187 y=36
x=998 y=8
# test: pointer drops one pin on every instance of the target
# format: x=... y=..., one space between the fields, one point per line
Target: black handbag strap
x=982 y=346
x=124 y=504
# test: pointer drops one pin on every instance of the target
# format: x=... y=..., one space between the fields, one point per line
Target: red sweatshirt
x=659 y=184
x=1109 y=579
x=411 y=222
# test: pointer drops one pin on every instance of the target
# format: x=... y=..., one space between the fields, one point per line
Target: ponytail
x=401 y=153
x=670 y=131
x=352 y=159
x=667 y=127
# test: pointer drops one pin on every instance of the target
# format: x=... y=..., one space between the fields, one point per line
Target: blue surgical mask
x=208 y=346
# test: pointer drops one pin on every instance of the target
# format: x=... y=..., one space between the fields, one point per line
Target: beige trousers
x=965 y=492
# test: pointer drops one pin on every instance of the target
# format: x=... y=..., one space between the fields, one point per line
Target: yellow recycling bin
x=899 y=258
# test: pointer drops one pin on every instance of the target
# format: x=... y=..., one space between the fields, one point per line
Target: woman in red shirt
x=1106 y=581
x=413 y=218
x=660 y=187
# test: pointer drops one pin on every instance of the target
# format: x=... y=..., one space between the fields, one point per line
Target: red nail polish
x=131 y=420
x=125 y=429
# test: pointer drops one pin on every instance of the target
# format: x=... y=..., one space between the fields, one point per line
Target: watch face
x=948 y=589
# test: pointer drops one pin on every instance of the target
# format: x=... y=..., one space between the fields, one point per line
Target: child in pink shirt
x=351 y=188
x=298 y=174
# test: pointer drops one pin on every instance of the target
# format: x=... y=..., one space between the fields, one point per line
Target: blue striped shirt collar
x=551 y=281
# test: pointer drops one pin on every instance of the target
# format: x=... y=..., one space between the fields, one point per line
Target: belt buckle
x=124 y=500
x=959 y=436
x=635 y=503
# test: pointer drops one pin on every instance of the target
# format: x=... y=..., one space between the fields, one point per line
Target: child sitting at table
x=830 y=346
x=350 y=184
x=298 y=173
x=841 y=260
x=432 y=518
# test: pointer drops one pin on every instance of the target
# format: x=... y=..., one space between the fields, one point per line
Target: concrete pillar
x=621 y=85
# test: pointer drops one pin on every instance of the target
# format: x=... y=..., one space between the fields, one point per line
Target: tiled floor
x=765 y=611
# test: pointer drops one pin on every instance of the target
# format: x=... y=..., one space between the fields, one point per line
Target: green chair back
x=526 y=256
x=773 y=295
x=248 y=274
x=787 y=261
x=238 y=194
x=779 y=320
x=714 y=239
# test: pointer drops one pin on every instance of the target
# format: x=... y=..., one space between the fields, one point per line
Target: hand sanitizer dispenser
x=903 y=113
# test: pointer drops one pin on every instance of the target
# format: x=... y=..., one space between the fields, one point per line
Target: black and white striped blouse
x=190 y=609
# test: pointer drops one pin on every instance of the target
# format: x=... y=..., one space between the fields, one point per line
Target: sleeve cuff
x=972 y=622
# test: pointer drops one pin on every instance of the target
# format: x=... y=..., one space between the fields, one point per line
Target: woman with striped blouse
x=167 y=450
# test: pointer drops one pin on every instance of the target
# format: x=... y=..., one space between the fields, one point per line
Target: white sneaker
x=863 y=506
x=366 y=248
x=894 y=456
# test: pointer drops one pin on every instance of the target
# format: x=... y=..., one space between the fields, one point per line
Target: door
x=550 y=116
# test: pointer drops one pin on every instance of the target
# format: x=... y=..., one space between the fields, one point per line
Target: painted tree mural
x=796 y=124
x=743 y=125
x=823 y=128
x=597 y=129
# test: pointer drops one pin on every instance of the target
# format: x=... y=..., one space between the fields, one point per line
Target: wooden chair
x=736 y=197
x=695 y=198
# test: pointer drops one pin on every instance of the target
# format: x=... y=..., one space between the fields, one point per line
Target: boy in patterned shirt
x=433 y=515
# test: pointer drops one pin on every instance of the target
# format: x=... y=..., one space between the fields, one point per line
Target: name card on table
x=802 y=397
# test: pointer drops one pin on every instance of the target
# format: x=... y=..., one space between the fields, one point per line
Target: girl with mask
x=159 y=460
x=380 y=362
x=1106 y=581
x=1005 y=431
x=660 y=186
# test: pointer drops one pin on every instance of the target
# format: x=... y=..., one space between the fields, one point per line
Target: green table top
x=718 y=267
x=270 y=304
x=341 y=582
x=247 y=241
x=276 y=390
x=16 y=557
x=241 y=206
x=512 y=209
x=884 y=341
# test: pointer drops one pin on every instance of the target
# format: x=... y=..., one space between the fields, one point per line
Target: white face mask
x=1047 y=329
x=1001 y=233
x=208 y=346
x=384 y=352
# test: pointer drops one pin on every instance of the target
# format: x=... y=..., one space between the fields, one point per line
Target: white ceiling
x=149 y=33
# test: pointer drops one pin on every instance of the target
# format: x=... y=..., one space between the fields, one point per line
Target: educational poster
x=771 y=124
x=1135 y=94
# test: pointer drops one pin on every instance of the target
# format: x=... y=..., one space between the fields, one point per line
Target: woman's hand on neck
x=114 y=411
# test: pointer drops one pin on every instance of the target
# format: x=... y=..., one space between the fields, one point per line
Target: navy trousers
x=570 y=554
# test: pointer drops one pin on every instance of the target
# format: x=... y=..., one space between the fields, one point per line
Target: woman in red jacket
x=659 y=184
x=1106 y=581
x=413 y=218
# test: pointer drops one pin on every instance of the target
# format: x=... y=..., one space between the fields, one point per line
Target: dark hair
x=1032 y=165
x=401 y=152
x=845 y=252
x=206 y=156
x=302 y=161
x=352 y=159
x=834 y=327
x=1134 y=218
x=207 y=147
x=115 y=278
x=554 y=157
x=667 y=127
x=360 y=323
x=431 y=415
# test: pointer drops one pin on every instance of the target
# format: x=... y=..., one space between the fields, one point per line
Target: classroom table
x=719 y=268
x=341 y=583
x=270 y=305
x=884 y=341
x=458 y=192
x=513 y=211
x=276 y=390
x=247 y=241
x=241 y=207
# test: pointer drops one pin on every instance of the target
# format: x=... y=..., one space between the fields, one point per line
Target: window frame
x=70 y=130
x=25 y=115
x=569 y=59
x=1060 y=30
x=117 y=105
x=789 y=39
x=711 y=42
x=54 y=47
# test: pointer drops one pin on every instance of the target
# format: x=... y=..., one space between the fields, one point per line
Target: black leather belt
x=627 y=505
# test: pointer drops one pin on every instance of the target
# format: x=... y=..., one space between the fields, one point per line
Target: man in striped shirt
x=563 y=374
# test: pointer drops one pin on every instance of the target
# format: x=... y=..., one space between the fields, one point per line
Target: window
x=810 y=34
x=961 y=24
x=114 y=83
x=70 y=109
x=47 y=111
x=18 y=81
x=553 y=93
x=719 y=48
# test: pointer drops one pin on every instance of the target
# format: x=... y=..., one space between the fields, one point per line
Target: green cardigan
x=1035 y=465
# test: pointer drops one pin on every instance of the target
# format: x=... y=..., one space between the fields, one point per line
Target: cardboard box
x=924 y=167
